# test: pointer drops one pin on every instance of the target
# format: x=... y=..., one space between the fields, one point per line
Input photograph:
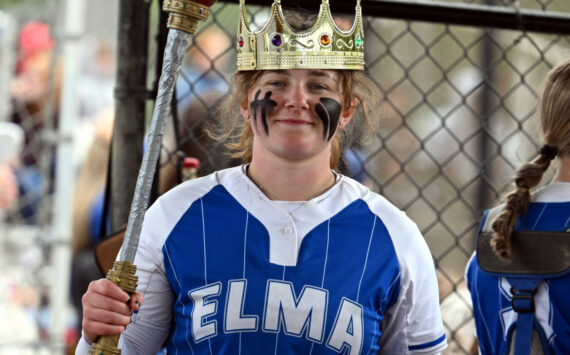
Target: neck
x=563 y=173
x=291 y=181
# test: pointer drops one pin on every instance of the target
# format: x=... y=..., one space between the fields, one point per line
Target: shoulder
x=401 y=228
x=165 y=213
x=182 y=196
x=485 y=225
x=376 y=203
x=405 y=235
x=554 y=192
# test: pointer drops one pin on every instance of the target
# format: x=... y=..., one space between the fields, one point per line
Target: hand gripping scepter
x=182 y=21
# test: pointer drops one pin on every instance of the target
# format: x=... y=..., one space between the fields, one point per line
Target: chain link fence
x=457 y=118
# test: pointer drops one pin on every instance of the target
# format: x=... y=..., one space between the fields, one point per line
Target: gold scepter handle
x=123 y=274
x=183 y=16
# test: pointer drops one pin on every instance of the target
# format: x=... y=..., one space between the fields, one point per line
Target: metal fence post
x=130 y=99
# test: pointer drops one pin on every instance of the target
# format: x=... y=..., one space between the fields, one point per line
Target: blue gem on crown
x=276 y=40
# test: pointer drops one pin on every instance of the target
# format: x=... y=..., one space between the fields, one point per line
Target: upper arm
x=413 y=323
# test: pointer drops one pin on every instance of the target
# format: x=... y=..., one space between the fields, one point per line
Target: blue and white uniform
x=491 y=295
x=225 y=270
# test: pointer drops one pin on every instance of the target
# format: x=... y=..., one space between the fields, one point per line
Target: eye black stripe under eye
x=324 y=116
x=263 y=105
x=329 y=110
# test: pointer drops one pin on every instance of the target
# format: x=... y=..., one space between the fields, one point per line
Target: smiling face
x=295 y=113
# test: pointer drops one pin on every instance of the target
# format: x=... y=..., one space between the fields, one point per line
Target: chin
x=297 y=153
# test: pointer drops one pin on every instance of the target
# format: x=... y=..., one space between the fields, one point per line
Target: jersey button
x=287 y=230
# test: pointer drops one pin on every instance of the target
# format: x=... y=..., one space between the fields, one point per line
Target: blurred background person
x=35 y=89
x=11 y=139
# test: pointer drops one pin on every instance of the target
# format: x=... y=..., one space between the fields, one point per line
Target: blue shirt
x=225 y=270
x=494 y=317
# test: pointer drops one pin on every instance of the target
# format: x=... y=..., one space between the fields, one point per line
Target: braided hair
x=555 y=126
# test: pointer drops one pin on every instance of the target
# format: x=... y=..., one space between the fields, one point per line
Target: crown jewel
x=278 y=46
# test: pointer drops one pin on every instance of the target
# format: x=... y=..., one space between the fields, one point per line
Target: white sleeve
x=150 y=325
x=83 y=346
x=413 y=323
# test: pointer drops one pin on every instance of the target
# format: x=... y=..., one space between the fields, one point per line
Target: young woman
x=281 y=255
x=547 y=209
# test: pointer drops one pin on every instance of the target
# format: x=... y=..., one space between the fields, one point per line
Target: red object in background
x=191 y=163
x=190 y=168
x=206 y=3
x=34 y=37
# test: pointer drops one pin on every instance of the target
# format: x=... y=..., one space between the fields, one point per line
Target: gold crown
x=278 y=46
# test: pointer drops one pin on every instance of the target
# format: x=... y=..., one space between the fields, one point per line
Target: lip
x=293 y=122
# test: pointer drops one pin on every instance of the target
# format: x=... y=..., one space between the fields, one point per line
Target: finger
x=93 y=329
x=108 y=317
x=104 y=303
x=109 y=289
x=104 y=296
x=136 y=301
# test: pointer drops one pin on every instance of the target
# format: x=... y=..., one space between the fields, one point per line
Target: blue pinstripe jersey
x=494 y=317
x=225 y=270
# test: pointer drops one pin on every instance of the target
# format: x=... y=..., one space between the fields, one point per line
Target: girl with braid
x=519 y=277
x=283 y=254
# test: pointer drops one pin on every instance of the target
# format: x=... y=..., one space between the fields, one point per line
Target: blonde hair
x=555 y=127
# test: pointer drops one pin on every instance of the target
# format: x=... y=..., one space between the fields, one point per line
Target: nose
x=297 y=98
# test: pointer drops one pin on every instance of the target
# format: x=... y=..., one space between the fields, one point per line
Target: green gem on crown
x=358 y=41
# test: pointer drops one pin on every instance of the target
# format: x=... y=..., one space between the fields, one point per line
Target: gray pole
x=65 y=172
x=130 y=100
x=486 y=174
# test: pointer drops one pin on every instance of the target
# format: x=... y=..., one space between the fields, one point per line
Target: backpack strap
x=523 y=291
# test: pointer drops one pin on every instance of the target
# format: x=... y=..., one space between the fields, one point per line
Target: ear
x=347 y=114
x=244 y=108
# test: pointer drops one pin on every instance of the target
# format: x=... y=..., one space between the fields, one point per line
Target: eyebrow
x=322 y=73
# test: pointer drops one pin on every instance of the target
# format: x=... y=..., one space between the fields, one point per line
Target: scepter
x=182 y=21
